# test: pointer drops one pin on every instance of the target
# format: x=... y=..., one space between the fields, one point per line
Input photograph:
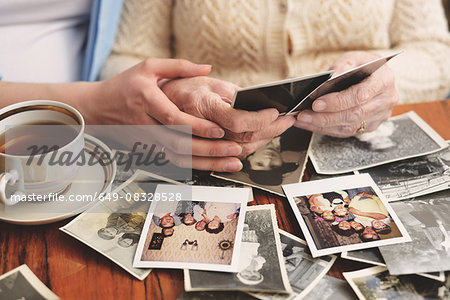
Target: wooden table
x=74 y=271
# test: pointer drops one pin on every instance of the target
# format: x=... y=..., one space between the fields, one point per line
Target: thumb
x=173 y=68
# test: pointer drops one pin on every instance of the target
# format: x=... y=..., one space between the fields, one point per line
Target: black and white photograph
x=194 y=227
x=304 y=271
x=373 y=256
x=400 y=137
x=284 y=95
x=22 y=283
x=281 y=161
x=428 y=223
x=369 y=256
x=261 y=263
x=413 y=177
x=344 y=213
x=113 y=226
x=376 y=283
x=331 y=288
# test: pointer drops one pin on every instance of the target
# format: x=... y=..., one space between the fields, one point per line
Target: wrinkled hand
x=341 y=114
x=134 y=97
x=210 y=98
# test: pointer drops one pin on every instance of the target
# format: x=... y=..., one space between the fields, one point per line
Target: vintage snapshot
x=284 y=95
x=261 y=264
x=344 y=213
x=22 y=283
x=413 y=177
x=428 y=223
x=281 y=161
x=369 y=256
x=331 y=288
x=377 y=283
x=296 y=94
x=196 y=227
x=400 y=137
x=304 y=271
x=374 y=257
x=113 y=226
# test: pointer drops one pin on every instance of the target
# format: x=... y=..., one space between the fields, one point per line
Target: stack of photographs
x=261 y=265
x=378 y=283
x=113 y=226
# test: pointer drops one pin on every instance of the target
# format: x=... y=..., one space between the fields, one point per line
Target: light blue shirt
x=105 y=16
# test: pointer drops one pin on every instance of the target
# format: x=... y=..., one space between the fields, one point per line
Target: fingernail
x=216 y=133
x=233 y=150
x=209 y=66
x=233 y=166
x=319 y=105
x=305 y=118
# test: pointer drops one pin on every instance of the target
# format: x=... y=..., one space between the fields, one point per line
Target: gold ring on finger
x=362 y=128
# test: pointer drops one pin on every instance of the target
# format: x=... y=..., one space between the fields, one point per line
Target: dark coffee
x=44 y=136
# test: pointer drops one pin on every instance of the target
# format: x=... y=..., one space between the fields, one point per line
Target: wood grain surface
x=74 y=271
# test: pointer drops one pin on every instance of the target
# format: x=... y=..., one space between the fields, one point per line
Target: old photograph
x=369 y=256
x=281 y=161
x=261 y=264
x=113 y=226
x=22 y=283
x=373 y=256
x=428 y=223
x=304 y=271
x=344 y=213
x=195 y=227
x=400 y=137
x=331 y=288
x=413 y=177
x=376 y=283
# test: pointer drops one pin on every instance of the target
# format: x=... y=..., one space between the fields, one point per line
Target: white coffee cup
x=22 y=175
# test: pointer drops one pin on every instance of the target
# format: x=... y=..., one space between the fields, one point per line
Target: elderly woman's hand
x=346 y=113
x=210 y=99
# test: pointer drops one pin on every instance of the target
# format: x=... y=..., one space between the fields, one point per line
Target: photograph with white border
x=377 y=283
x=22 y=283
x=171 y=240
x=112 y=227
x=304 y=271
x=261 y=263
x=400 y=137
x=413 y=177
x=344 y=213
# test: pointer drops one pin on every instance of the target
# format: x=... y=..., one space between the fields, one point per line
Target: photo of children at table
x=346 y=217
x=192 y=231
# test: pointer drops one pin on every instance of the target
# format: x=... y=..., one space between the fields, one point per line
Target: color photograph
x=344 y=213
x=196 y=227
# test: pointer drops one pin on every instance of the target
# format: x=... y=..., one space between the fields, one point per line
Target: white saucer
x=90 y=180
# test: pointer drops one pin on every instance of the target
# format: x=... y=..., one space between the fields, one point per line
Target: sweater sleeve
x=144 y=31
x=422 y=71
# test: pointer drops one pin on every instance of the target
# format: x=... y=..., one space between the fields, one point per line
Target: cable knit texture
x=247 y=41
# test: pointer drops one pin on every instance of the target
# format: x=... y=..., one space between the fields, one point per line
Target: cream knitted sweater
x=246 y=41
